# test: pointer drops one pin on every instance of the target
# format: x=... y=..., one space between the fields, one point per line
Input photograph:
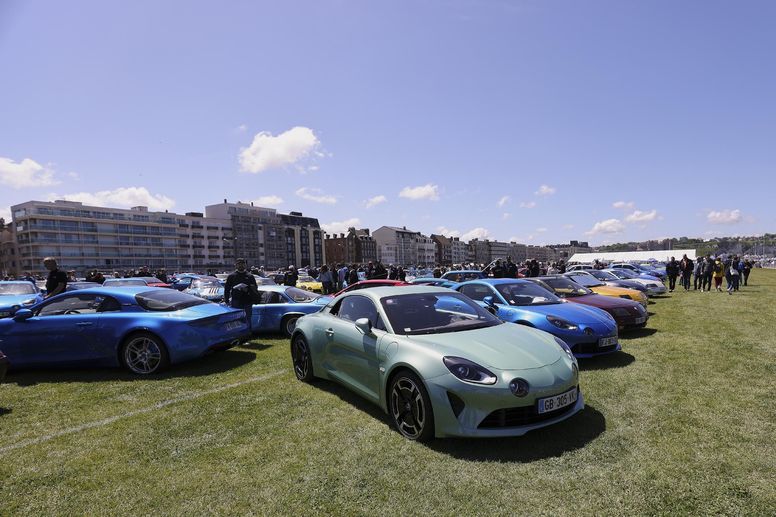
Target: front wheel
x=300 y=356
x=410 y=407
x=289 y=325
x=144 y=354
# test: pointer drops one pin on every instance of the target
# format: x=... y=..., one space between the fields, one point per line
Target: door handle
x=84 y=324
x=329 y=332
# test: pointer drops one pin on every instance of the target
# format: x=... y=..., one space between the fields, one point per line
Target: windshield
x=526 y=293
x=603 y=275
x=303 y=278
x=624 y=274
x=125 y=282
x=435 y=313
x=586 y=280
x=565 y=287
x=300 y=295
x=167 y=300
x=16 y=289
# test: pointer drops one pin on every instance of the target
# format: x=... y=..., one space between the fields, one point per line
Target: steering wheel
x=72 y=311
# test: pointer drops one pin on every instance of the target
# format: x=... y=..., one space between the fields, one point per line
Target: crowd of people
x=701 y=273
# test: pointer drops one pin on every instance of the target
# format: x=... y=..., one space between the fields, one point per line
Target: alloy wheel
x=143 y=355
x=408 y=408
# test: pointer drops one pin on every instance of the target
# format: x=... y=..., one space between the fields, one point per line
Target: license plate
x=233 y=325
x=607 y=341
x=558 y=401
x=641 y=320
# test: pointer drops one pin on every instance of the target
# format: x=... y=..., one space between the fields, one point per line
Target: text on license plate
x=558 y=401
x=607 y=341
x=233 y=325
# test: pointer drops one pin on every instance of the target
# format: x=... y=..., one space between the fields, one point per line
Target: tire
x=301 y=358
x=410 y=407
x=144 y=354
x=288 y=325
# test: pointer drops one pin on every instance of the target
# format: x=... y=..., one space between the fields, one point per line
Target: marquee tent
x=630 y=256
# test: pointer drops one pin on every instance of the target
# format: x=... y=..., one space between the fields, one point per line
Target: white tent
x=629 y=256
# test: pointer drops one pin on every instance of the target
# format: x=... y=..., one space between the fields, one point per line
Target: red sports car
x=626 y=312
x=371 y=283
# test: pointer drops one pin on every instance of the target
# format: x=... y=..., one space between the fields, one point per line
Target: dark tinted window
x=167 y=300
x=352 y=308
x=435 y=313
x=477 y=292
x=72 y=305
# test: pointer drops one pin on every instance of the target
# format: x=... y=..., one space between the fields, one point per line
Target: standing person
x=237 y=290
x=686 y=268
x=291 y=277
x=325 y=278
x=511 y=268
x=370 y=271
x=353 y=275
x=498 y=271
x=719 y=272
x=734 y=274
x=380 y=273
x=402 y=274
x=561 y=267
x=747 y=271
x=57 y=279
x=708 y=273
x=740 y=272
x=672 y=271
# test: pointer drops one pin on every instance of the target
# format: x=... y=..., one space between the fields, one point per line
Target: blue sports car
x=587 y=330
x=140 y=328
x=434 y=282
x=15 y=294
x=281 y=306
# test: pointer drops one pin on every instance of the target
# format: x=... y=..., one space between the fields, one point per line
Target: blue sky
x=524 y=120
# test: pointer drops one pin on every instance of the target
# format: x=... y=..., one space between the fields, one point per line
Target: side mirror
x=364 y=325
x=22 y=315
x=488 y=300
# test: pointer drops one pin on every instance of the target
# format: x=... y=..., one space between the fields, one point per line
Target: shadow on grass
x=552 y=441
x=255 y=345
x=642 y=332
x=604 y=362
x=208 y=365
x=650 y=314
x=549 y=442
x=5 y=410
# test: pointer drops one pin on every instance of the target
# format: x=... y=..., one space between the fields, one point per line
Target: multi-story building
x=405 y=247
x=8 y=252
x=449 y=250
x=354 y=247
x=542 y=253
x=85 y=237
x=265 y=238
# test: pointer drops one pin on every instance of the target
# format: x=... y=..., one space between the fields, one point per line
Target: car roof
x=463 y=271
x=15 y=282
x=124 y=294
x=495 y=281
x=377 y=293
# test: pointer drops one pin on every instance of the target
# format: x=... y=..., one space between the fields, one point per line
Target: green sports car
x=438 y=363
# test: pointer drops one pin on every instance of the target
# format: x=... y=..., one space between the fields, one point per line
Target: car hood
x=9 y=300
x=569 y=311
x=602 y=301
x=501 y=347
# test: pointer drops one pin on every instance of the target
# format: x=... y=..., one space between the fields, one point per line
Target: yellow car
x=599 y=287
x=308 y=283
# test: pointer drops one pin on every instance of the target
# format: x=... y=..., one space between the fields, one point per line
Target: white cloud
x=623 y=205
x=506 y=215
x=503 y=201
x=270 y=200
x=641 y=217
x=73 y=176
x=725 y=216
x=27 y=173
x=341 y=226
x=607 y=226
x=545 y=190
x=447 y=232
x=541 y=230
x=316 y=195
x=274 y=152
x=428 y=191
x=475 y=233
x=529 y=204
x=376 y=200
x=122 y=197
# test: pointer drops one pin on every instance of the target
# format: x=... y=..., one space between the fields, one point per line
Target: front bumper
x=465 y=410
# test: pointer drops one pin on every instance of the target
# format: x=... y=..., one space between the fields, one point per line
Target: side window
x=270 y=297
x=109 y=305
x=72 y=305
x=476 y=292
x=352 y=308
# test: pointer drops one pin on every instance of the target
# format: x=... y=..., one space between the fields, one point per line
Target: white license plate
x=607 y=341
x=558 y=401
x=641 y=320
x=233 y=325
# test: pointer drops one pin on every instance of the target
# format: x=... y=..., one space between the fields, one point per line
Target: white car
x=654 y=287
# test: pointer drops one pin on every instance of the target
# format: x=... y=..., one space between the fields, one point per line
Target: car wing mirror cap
x=489 y=301
x=22 y=315
x=364 y=325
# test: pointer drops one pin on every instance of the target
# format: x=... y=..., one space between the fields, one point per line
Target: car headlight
x=469 y=371
x=561 y=323
x=620 y=311
x=566 y=349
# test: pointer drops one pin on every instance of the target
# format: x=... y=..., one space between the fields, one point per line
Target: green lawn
x=683 y=421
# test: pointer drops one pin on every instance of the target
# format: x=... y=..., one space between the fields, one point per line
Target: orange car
x=599 y=287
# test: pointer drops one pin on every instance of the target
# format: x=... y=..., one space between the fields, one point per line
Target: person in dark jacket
x=380 y=273
x=56 y=282
x=672 y=271
x=240 y=290
x=353 y=275
x=708 y=272
x=511 y=268
x=686 y=267
x=698 y=274
x=747 y=271
x=497 y=270
x=291 y=277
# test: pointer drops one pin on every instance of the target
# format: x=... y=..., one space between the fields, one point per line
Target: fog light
x=518 y=387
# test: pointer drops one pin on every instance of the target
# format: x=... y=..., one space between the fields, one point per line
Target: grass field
x=683 y=421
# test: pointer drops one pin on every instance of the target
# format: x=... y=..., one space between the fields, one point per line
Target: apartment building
x=401 y=246
x=354 y=247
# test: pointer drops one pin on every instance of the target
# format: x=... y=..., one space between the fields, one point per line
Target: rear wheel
x=410 y=407
x=300 y=356
x=289 y=325
x=144 y=353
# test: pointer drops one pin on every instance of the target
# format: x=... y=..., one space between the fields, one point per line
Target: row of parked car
x=442 y=357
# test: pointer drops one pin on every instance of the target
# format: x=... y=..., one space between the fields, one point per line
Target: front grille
x=591 y=348
x=517 y=416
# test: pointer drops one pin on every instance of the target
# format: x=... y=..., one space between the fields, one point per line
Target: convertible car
x=626 y=312
x=281 y=306
x=587 y=330
x=15 y=294
x=599 y=287
x=142 y=329
x=438 y=363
